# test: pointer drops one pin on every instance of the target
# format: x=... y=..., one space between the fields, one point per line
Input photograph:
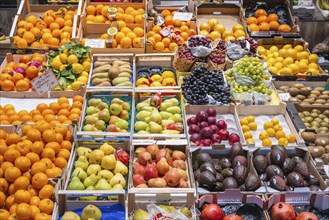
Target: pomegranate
x=212 y=212
x=307 y=216
x=232 y=217
x=283 y=211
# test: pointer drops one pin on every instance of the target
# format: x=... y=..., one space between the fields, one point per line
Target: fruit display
x=205 y=87
x=286 y=172
x=56 y=113
x=155 y=76
x=115 y=73
x=106 y=113
x=317 y=120
x=215 y=172
x=169 y=211
x=215 y=30
x=159 y=168
x=249 y=45
x=88 y=212
x=159 y=115
x=209 y=127
x=306 y=95
x=50 y=29
x=268 y=17
x=289 y=60
x=323 y=4
x=317 y=146
x=16 y=76
x=266 y=131
x=104 y=168
x=71 y=65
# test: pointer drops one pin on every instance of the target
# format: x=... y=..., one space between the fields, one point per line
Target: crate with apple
x=159 y=167
x=159 y=115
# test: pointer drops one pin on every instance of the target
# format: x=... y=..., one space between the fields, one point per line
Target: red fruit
x=192 y=120
x=207 y=142
x=232 y=217
x=233 y=138
x=144 y=158
x=224 y=134
x=211 y=112
x=139 y=150
x=307 y=216
x=206 y=132
x=122 y=155
x=138 y=179
x=221 y=124
x=150 y=172
x=212 y=120
x=212 y=212
x=202 y=116
x=143 y=185
x=178 y=155
x=163 y=166
x=156 y=100
x=172 y=177
x=153 y=150
x=182 y=184
x=283 y=211
x=138 y=168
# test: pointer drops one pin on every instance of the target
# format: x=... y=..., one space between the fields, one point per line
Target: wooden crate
x=190 y=7
x=9 y=129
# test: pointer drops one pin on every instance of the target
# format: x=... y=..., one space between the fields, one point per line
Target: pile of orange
x=264 y=22
x=99 y=13
x=15 y=81
x=53 y=29
x=27 y=162
x=56 y=113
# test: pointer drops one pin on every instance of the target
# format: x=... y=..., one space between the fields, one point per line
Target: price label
x=143 y=142
x=183 y=16
x=45 y=82
x=284 y=96
x=95 y=43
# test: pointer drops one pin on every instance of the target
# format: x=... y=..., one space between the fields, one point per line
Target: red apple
x=233 y=138
x=150 y=172
x=138 y=179
x=138 y=168
x=224 y=134
x=212 y=212
x=144 y=158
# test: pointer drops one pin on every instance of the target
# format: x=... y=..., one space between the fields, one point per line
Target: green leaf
x=63 y=82
x=65 y=73
x=72 y=77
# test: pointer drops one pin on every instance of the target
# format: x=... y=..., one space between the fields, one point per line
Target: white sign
x=143 y=142
x=284 y=96
x=183 y=16
x=45 y=82
x=95 y=43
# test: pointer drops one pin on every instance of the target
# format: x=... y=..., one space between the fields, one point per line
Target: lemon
x=283 y=141
x=282 y=52
x=277 y=128
x=267 y=142
x=72 y=59
x=291 y=53
x=168 y=74
x=252 y=126
x=247 y=135
x=76 y=85
x=68 y=88
x=302 y=55
x=299 y=48
x=243 y=121
x=313 y=58
x=251 y=118
x=279 y=59
x=287 y=46
x=279 y=134
x=56 y=64
x=313 y=66
x=270 y=61
x=275 y=121
x=273 y=69
x=77 y=68
x=313 y=71
x=278 y=65
x=294 y=68
x=263 y=135
x=274 y=49
x=267 y=125
x=262 y=51
x=291 y=138
x=245 y=128
x=86 y=65
x=84 y=73
x=62 y=67
x=286 y=71
x=287 y=61
x=82 y=79
x=302 y=67
x=250 y=141
x=270 y=132
x=63 y=57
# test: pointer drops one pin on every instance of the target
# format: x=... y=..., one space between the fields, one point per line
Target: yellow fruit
x=220 y=28
x=215 y=35
x=227 y=33
x=313 y=71
x=273 y=69
x=137 y=42
x=86 y=65
x=313 y=58
x=275 y=121
x=294 y=68
x=302 y=67
x=56 y=64
x=252 y=126
x=237 y=27
x=263 y=135
x=279 y=59
x=287 y=46
x=283 y=141
x=239 y=33
x=82 y=79
x=299 y=48
x=205 y=26
x=77 y=68
x=244 y=121
x=267 y=142
x=278 y=65
x=285 y=71
x=271 y=132
x=168 y=74
x=313 y=66
x=303 y=55
x=267 y=125
x=125 y=30
x=274 y=49
x=126 y=42
x=251 y=118
x=204 y=33
x=63 y=57
x=76 y=85
x=84 y=73
x=277 y=128
x=72 y=59
x=250 y=141
x=291 y=138
x=287 y=61
x=282 y=52
x=262 y=51
x=212 y=22
x=279 y=134
x=270 y=62
x=247 y=135
x=245 y=128
x=291 y=53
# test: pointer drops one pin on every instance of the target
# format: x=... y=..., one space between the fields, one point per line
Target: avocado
x=303 y=169
x=273 y=170
x=260 y=163
x=263 y=177
x=225 y=163
x=295 y=179
x=240 y=173
x=240 y=161
x=229 y=183
x=209 y=167
x=313 y=180
x=297 y=159
x=202 y=158
x=207 y=180
x=277 y=157
x=288 y=166
x=219 y=177
x=252 y=182
x=235 y=150
x=217 y=165
x=218 y=186
x=227 y=172
x=242 y=187
x=268 y=157
x=196 y=174
x=278 y=183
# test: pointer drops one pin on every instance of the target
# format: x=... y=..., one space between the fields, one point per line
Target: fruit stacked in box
x=16 y=76
x=155 y=76
x=316 y=120
x=52 y=28
x=317 y=146
x=107 y=113
x=160 y=166
x=159 y=115
x=170 y=211
x=103 y=168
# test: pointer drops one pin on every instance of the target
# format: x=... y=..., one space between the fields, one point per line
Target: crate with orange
x=40 y=27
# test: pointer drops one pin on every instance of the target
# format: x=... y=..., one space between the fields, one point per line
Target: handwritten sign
x=284 y=96
x=143 y=142
x=45 y=82
x=95 y=43
x=183 y=16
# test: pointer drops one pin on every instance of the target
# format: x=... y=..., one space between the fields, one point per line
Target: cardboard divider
x=190 y=7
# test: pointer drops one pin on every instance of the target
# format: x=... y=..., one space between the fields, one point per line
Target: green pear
x=102 y=106
x=142 y=114
x=166 y=122
x=89 y=119
x=100 y=125
x=96 y=156
x=147 y=119
x=174 y=101
x=124 y=114
x=82 y=162
x=165 y=115
x=94 y=102
x=91 y=110
x=173 y=110
x=139 y=106
x=108 y=162
x=165 y=105
x=93 y=169
x=90 y=198
x=122 y=124
x=105 y=174
x=126 y=106
x=107 y=149
x=80 y=173
x=104 y=115
x=114 y=119
x=149 y=108
x=115 y=187
x=170 y=132
x=155 y=128
x=70 y=216
x=140 y=214
x=115 y=109
x=143 y=132
x=91 y=211
x=89 y=127
x=116 y=100
x=102 y=184
x=148 y=101
x=84 y=151
x=167 y=208
x=118 y=179
x=75 y=184
x=120 y=168
x=140 y=125
x=187 y=212
x=156 y=117
x=91 y=180
x=176 y=118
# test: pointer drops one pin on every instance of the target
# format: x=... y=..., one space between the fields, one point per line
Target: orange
x=53 y=145
x=37 y=118
x=35 y=200
x=60 y=22
x=54 y=26
x=78 y=97
x=66 y=145
x=22 y=112
x=38 y=167
x=28 y=175
x=12 y=173
x=35 y=112
x=56 y=33
x=3 y=185
x=33 y=157
x=165 y=13
x=36 y=32
x=28 y=36
x=21 y=182
x=46 y=192
x=32 y=19
x=66 y=106
x=33 y=135
x=3 y=134
x=23 y=163
x=264 y=26
x=41 y=25
x=39 y=180
x=253 y=27
x=91 y=10
x=60 y=162
x=12 y=209
x=61 y=118
x=20 y=32
x=12 y=139
x=48 y=135
x=10 y=112
x=49 y=164
x=50 y=117
x=42 y=126
x=77 y=104
x=23 y=211
x=4 y=214
x=274 y=25
x=138 y=19
x=260 y=12
x=62 y=129
x=9 y=201
x=25 y=59
x=251 y=20
x=156 y=29
x=169 y=20
x=35 y=210
x=273 y=17
x=2 y=199
x=22 y=196
x=67 y=122
x=11 y=154
x=53 y=42
x=284 y=28
x=28 y=26
x=32 y=72
x=48 y=153
x=46 y=206
x=5 y=165
x=128 y=18
x=172 y=46
x=46 y=37
x=64 y=153
x=291 y=138
x=21 y=43
x=74 y=116
x=262 y=19
x=126 y=42
x=279 y=134
x=267 y=142
x=7 y=85
x=42 y=216
x=62 y=100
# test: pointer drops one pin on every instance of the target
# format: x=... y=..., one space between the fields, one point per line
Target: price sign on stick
x=183 y=16
x=284 y=96
x=95 y=43
x=45 y=82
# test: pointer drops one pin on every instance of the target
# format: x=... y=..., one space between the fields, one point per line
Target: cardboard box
x=190 y=7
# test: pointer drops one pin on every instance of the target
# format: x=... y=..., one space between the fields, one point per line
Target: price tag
x=45 y=82
x=95 y=43
x=284 y=96
x=183 y=16
x=143 y=142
